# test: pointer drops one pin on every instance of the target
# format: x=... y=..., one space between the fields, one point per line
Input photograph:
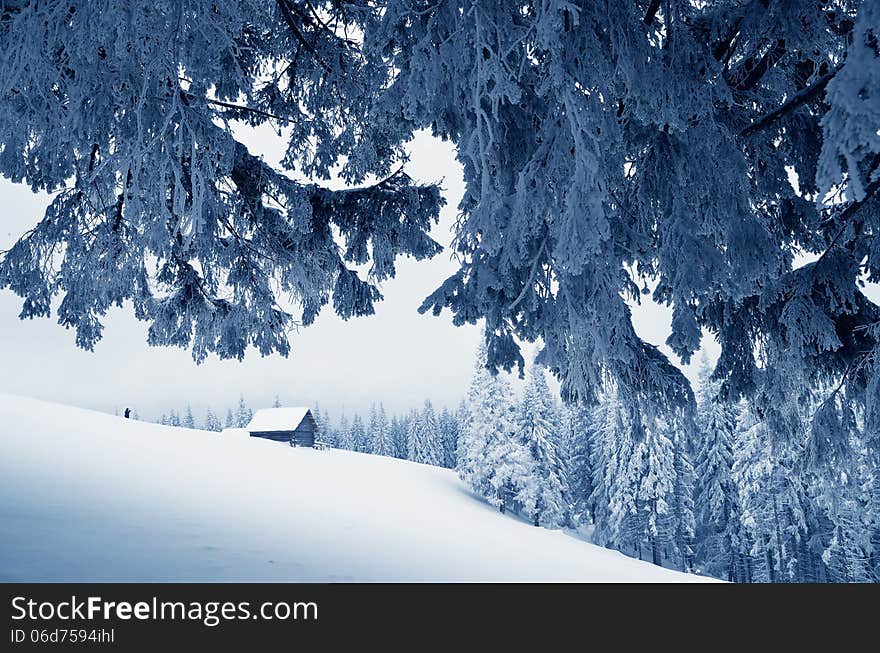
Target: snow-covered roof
x=277 y=419
x=236 y=432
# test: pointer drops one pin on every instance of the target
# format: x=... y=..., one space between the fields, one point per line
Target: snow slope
x=89 y=496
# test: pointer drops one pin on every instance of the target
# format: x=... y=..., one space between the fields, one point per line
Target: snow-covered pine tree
x=212 y=422
x=607 y=429
x=382 y=442
x=230 y=419
x=372 y=425
x=849 y=551
x=872 y=512
x=277 y=402
x=682 y=502
x=578 y=426
x=358 y=435
x=243 y=414
x=721 y=546
x=189 y=421
x=626 y=469
x=461 y=418
x=839 y=513
x=486 y=435
x=163 y=420
x=400 y=436
x=173 y=418
x=344 y=438
x=412 y=428
x=329 y=434
x=448 y=427
x=515 y=480
x=538 y=430
x=321 y=427
x=423 y=439
x=656 y=485
x=772 y=498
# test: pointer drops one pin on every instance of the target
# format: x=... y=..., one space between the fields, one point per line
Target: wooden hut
x=294 y=425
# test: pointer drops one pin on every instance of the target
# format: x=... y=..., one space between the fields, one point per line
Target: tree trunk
x=655 y=552
x=771 y=572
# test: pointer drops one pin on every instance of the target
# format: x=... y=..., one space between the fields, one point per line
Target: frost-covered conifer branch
x=161 y=206
x=606 y=165
x=691 y=147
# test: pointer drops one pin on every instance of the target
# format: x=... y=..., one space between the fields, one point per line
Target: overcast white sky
x=395 y=356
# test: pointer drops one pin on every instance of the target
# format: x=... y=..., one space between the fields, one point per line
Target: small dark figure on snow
x=127 y=413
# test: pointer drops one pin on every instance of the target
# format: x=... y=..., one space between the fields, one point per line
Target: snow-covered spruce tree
x=371 y=425
x=628 y=516
x=872 y=491
x=189 y=421
x=212 y=422
x=320 y=425
x=849 y=551
x=656 y=485
x=325 y=433
x=344 y=434
x=358 y=436
x=329 y=433
x=173 y=418
x=382 y=443
x=721 y=546
x=399 y=436
x=230 y=419
x=486 y=436
x=773 y=498
x=839 y=509
x=682 y=501
x=619 y=466
x=641 y=481
x=125 y=110
x=243 y=414
x=448 y=425
x=461 y=419
x=412 y=433
x=584 y=129
x=578 y=425
x=538 y=430
x=423 y=439
x=608 y=430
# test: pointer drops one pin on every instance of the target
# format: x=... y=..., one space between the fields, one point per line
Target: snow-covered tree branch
x=694 y=150
x=123 y=112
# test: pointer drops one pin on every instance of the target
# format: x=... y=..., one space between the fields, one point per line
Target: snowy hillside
x=88 y=496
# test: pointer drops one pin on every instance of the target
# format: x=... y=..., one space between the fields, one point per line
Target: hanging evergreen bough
x=696 y=147
x=125 y=110
x=692 y=146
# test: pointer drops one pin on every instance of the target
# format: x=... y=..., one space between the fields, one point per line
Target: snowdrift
x=92 y=497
